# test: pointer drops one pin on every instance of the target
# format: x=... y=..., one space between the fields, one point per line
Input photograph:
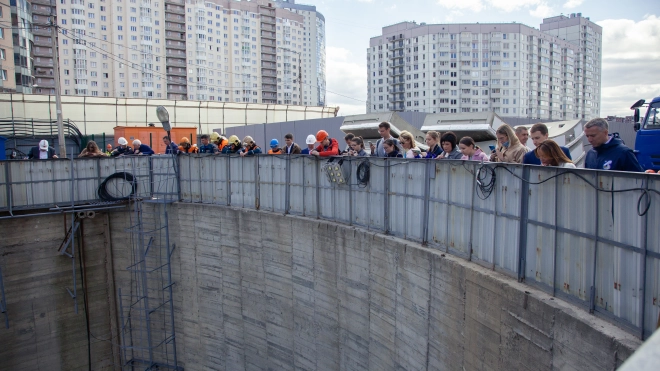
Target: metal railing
x=545 y=226
x=548 y=227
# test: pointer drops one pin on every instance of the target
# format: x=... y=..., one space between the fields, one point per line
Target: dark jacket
x=331 y=150
x=230 y=148
x=394 y=153
x=254 y=150
x=434 y=152
x=209 y=148
x=118 y=151
x=612 y=156
x=531 y=159
x=295 y=149
x=145 y=150
x=172 y=149
x=305 y=151
x=34 y=153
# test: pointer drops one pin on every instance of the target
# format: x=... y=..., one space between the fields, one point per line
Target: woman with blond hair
x=508 y=148
x=410 y=149
x=91 y=150
x=551 y=154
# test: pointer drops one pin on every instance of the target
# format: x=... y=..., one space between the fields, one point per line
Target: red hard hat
x=321 y=135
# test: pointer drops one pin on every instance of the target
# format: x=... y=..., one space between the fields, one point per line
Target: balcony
x=268 y=50
x=267 y=27
x=268 y=73
x=267 y=87
x=45 y=2
x=175 y=53
x=176 y=72
x=268 y=35
x=175 y=2
x=267 y=19
x=266 y=64
x=398 y=45
x=174 y=10
x=43 y=42
x=268 y=42
x=175 y=62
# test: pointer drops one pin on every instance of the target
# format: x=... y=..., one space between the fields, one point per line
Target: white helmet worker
x=311 y=139
x=122 y=141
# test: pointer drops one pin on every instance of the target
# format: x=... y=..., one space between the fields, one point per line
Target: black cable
x=106 y=196
x=83 y=283
x=363 y=173
x=486 y=178
x=644 y=191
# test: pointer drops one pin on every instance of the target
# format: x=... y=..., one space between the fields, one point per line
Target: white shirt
x=43 y=155
x=568 y=165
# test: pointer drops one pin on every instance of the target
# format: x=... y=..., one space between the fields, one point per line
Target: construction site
x=197 y=262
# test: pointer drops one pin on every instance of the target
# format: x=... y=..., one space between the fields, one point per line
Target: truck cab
x=647 y=141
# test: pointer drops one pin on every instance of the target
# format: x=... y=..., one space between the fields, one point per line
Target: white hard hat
x=137 y=142
x=311 y=139
x=43 y=144
x=122 y=141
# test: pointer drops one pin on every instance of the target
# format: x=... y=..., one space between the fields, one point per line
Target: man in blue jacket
x=608 y=152
x=539 y=134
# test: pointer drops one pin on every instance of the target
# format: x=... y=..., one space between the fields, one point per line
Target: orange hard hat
x=321 y=135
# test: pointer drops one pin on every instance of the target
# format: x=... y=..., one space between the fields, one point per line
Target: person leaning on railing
x=508 y=148
x=171 y=148
x=141 y=149
x=251 y=148
x=449 y=144
x=122 y=149
x=608 y=152
x=290 y=147
x=550 y=154
x=410 y=149
x=471 y=151
x=357 y=147
x=91 y=150
x=206 y=146
x=42 y=152
x=328 y=147
x=233 y=146
x=310 y=141
x=433 y=141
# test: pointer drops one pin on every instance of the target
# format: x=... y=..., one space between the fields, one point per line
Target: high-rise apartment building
x=218 y=50
x=588 y=67
x=23 y=43
x=7 y=70
x=509 y=68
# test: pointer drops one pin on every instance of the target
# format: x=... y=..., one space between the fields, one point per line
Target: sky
x=631 y=40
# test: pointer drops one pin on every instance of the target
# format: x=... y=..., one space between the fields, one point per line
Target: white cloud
x=346 y=75
x=473 y=5
x=503 y=5
x=452 y=15
x=630 y=60
x=366 y=1
x=542 y=11
x=570 y=4
x=511 y=5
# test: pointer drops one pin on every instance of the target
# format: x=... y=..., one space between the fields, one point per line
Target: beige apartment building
x=7 y=70
x=509 y=68
x=206 y=50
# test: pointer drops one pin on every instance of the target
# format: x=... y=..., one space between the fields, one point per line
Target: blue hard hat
x=274 y=143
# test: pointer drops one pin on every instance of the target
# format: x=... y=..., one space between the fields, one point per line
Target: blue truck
x=647 y=141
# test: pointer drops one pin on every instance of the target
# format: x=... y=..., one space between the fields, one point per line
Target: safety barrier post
x=644 y=232
x=386 y=193
x=522 y=229
x=287 y=192
x=429 y=171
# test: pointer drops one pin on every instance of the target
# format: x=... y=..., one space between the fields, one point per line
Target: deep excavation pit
x=257 y=290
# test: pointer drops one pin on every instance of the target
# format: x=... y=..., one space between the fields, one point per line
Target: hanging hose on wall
x=118 y=193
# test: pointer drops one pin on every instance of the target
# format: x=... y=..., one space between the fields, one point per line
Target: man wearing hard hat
x=42 y=152
x=122 y=149
x=329 y=146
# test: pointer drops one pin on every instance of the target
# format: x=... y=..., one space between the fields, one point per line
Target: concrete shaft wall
x=44 y=331
x=257 y=290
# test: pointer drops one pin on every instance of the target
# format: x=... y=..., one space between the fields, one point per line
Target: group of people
x=608 y=151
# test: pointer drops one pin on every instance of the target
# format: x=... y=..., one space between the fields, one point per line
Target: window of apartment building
x=4 y=75
x=3 y=54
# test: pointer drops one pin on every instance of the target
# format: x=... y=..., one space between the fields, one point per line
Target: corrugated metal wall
x=548 y=227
